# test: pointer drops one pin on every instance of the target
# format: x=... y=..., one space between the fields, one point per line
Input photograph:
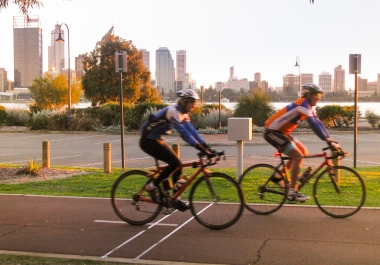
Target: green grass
x=98 y=184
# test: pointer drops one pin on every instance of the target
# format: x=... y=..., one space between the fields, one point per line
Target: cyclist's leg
x=296 y=151
x=279 y=141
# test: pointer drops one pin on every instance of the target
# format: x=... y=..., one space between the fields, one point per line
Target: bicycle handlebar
x=213 y=154
x=336 y=152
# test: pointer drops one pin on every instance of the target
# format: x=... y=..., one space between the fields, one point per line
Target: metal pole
x=220 y=119
x=69 y=79
x=356 y=117
x=121 y=117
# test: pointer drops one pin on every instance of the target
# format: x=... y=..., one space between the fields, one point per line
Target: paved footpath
x=87 y=228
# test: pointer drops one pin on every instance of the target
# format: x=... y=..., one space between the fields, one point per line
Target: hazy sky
x=262 y=36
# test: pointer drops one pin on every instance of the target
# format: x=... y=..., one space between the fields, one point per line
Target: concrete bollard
x=107 y=158
x=46 y=154
x=240 y=130
x=177 y=150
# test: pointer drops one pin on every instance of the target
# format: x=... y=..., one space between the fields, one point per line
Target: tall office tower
x=257 y=77
x=290 y=84
x=339 y=79
x=3 y=80
x=232 y=70
x=325 y=82
x=180 y=77
x=79 y=71
x=146 y=59
x=362 y=84
x=56 y=50
x=307 y=78
x=164 y=71
x=180 y=64
x=27 y=48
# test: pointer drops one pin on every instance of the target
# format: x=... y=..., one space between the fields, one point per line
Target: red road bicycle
x=338 y=191
x=216 y=199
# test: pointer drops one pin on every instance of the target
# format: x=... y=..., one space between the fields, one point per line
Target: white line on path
x=122 y=222
x=175 y=230
x=143 y=231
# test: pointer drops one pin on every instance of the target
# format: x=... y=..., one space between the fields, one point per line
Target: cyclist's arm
x=318 y=128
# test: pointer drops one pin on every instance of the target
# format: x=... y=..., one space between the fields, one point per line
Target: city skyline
x=220 y=34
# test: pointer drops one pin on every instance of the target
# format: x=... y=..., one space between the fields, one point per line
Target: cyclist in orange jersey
x=283 y=122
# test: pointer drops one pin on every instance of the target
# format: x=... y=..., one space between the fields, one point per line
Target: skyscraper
x=3 y=80
x=181 y=70
x=56 y=51
x=257 y=77
x=27 y=46
x=325 y=82
x=79 y=66
x=146 y=59
x=339 y=79
x=164 y=71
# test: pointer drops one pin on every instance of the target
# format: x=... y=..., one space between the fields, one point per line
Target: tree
x=24 y=5
x=52 y=92
x=254 y=105
x=101 y=83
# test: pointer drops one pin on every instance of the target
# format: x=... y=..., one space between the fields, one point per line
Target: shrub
x=3 y=115
x=372 y=118
x=57 y=121
x=17 y=117
x=39 y=120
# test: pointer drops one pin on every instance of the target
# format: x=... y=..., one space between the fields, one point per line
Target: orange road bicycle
x=215 y=198
x=338 y=191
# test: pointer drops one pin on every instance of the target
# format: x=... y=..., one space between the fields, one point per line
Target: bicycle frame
x=201 y=164
x=326 y=163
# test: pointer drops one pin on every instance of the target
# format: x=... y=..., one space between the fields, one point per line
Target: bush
x=372 y=118
x=57 y=121
x=3 y=115
x=17 y=117
x=39 y=120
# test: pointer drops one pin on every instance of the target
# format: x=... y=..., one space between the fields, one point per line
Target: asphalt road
x=87 y=228
x=86 y=149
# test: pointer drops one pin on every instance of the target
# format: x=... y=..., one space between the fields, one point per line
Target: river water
x=363 y=106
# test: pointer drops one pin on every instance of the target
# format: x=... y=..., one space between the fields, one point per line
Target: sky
x=263 y=36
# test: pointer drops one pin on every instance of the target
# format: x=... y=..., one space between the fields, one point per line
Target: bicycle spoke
x=348 y=201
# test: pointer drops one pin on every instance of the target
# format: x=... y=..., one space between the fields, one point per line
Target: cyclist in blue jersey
x=283 y=122
x=152 y=139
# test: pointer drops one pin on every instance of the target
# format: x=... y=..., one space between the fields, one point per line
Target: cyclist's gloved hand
x=202 y=149
x=335 y=145
x=206 y=146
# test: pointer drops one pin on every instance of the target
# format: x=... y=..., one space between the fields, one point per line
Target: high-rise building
x=290 y=84
x=164 y=71
x=362 y=84
x=307 y=78
x=378 y=83
x=339 y=79
x=146 y=59
x=3 y=80
x=79 y=71
x=325 y=82
x=27 y=47
x=180 y=64
x=56 y=50
x=257 y=77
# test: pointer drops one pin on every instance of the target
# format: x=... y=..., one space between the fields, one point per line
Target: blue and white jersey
x=173 y=116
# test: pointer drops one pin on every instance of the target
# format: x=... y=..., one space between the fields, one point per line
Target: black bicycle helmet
x=310 y=88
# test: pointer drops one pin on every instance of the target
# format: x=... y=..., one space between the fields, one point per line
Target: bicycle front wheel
x=344 y=199
x=216 y=201
x=263 y=196
x=130 y=201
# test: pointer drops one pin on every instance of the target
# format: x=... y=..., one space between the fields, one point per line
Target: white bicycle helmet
x=310 y=88
x=188 y=94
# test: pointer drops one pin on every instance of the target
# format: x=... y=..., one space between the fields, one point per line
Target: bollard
x=46 y=154
x=107 y=160
x=336 y=162
x=240 y=129
x=177 y=150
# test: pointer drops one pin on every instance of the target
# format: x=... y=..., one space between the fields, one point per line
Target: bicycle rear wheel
x=344 y=203
x=130 y=201
x=262 y=196
x=216 y=201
